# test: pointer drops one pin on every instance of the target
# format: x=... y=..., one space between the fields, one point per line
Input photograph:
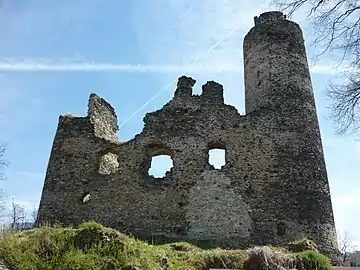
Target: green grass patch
x=310 y=259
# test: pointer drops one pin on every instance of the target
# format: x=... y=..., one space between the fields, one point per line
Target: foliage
x=311 y=259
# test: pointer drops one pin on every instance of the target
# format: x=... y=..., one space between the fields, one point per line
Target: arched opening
x=160 y=165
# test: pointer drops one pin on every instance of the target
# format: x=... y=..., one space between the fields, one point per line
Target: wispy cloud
x=330 y=69
x=186 y=30
x=91 y=66
x=16 y=107
x=30 y=175
x=23 y=66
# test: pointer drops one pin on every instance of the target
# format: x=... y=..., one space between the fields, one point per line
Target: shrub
x=310 y=259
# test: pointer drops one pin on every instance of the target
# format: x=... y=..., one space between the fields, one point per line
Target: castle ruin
x=273 y=188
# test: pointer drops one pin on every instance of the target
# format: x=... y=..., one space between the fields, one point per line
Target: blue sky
x=53 y=54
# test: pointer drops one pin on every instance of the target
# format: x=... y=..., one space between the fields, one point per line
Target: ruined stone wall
x=273 y=188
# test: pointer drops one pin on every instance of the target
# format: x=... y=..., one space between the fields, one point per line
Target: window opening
x=217 y=158
x=160 y=165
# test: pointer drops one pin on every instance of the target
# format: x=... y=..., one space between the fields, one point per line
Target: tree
x=336 y=26
x=17 y=214
x=2 y=203
x=34 y=214
x=355 y=259
x=345 y=246
x=3 y=163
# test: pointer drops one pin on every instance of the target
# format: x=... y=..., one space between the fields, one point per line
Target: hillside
x=91 y=246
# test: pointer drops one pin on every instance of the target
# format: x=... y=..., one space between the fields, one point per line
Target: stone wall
x=273 y=188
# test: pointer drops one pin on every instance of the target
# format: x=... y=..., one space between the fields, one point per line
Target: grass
x=91 y=246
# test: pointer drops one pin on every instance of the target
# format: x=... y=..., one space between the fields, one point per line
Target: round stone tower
x=279 y=94
x=275 y=63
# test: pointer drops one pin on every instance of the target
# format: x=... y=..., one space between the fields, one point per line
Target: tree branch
x=345 y=108
x=3 y=163
x=336 y=25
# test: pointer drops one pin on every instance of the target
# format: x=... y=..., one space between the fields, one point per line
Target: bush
x=310 y=259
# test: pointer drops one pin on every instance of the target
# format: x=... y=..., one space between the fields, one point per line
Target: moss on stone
x=302 y=245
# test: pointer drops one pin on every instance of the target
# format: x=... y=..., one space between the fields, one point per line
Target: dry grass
x=270 y=259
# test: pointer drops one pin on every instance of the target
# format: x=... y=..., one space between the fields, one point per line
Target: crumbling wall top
x=102 y=115
x=212 y=92
x=184 y=87
x=269 y=16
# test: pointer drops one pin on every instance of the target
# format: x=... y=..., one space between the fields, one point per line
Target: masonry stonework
x=273 y=188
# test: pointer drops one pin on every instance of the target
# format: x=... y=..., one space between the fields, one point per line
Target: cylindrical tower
x=275 y=64
x=278 y=92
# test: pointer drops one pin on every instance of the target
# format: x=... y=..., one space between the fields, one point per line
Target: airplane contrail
x=165 y=88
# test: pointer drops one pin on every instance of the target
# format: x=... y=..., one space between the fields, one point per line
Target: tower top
x=269 y=16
